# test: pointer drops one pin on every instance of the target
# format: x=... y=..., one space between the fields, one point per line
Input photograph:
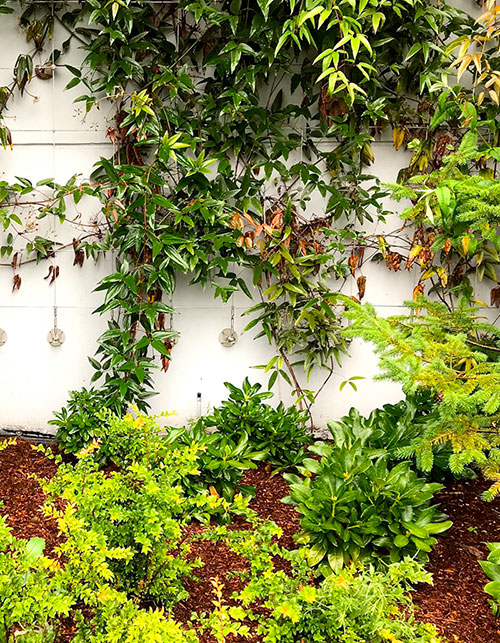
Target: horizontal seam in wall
x=213 y=308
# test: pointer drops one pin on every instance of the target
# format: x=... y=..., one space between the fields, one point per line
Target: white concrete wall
x=51 y=140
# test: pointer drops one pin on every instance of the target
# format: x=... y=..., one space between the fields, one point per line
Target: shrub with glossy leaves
x=221 y=460
x=79 y=422
x=279 y=432
x=357 y=507
x=491 y=567
x=395 y=427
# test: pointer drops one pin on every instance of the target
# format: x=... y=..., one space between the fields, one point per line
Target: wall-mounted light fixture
x=228 y=336
x=56 y=336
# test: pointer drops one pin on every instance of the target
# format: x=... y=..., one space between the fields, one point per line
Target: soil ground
x=456 y=603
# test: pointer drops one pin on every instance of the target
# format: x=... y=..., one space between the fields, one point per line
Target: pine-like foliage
x=454 y=354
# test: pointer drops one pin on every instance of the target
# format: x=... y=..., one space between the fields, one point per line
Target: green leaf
x=35 y=547
x=315 y=554
x=492 y=570
x=401 y=541
x=414 y=49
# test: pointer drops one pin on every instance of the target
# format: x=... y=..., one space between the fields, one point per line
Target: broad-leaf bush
x=78 y=422
x=491 y=567
x=393 y=428
x=357 y=507
x=280 y=432
x=221 y=460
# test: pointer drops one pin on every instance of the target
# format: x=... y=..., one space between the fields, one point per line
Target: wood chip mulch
x=456 y=603
x=21 y=495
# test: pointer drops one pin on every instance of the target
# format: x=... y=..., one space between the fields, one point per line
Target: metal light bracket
x=56 y=337
x=228 y=336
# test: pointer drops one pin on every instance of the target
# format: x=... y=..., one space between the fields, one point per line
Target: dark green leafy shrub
x=357 y=507
x=491 y=567
x=31 y=594
x=279 y=432
x=220 y=462
x=394 y=428
x=78 y=423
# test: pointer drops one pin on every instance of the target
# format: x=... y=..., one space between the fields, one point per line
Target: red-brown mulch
x=22 y=496
x=218 y=558
x=456 y=603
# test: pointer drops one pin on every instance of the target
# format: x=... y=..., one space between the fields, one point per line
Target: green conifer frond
x=448 y=353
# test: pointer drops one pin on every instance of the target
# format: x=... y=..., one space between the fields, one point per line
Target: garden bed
x=456 y=603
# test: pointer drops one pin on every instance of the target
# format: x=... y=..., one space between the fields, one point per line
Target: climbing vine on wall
x=232 y=121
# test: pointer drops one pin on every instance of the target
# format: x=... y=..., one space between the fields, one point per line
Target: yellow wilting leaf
x=415 y=251
x=382 y=246
x=428 y=273
x=367 y=153
x=463 y=49
x=494 y=96
x=465 y=244
x=443 y=276
x=476 y=59
x=464 y=63
x=489 y=15
x=398 y=137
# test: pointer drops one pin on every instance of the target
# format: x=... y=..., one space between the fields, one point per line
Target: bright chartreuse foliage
x=31 y=593
x=123 y=554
